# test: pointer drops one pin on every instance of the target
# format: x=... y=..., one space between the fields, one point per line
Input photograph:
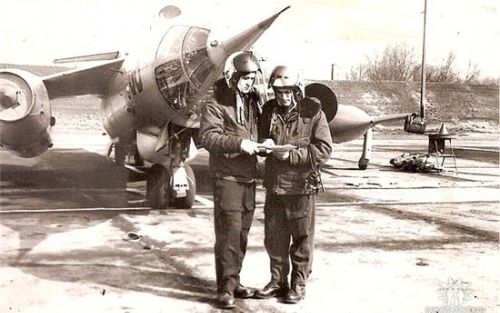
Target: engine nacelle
x=25 y=113
x=349 y=123
x=346 y=122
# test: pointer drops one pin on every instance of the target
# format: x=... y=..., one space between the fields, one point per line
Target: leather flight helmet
x=239 y=63
x=285 y=77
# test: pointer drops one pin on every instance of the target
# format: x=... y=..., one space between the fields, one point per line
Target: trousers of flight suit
x=234 y=205
x=290 y=218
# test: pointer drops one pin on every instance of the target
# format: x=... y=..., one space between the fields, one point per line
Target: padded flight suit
x=233 y=178
x=290 y=202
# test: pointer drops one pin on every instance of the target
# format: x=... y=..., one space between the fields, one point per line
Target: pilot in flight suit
x=289 y=210
x=229 y=132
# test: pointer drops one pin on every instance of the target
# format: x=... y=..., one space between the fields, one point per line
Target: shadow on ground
x=126 y=265
x=76 y=178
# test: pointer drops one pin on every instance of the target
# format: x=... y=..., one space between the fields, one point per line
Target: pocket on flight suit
x=297 y=215
x=249 y=201
x=229 y=195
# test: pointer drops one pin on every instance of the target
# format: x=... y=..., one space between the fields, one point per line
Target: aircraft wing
x=89 y=80
x=388 y=118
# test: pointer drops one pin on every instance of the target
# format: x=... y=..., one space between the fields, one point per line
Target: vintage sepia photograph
x=263 y=156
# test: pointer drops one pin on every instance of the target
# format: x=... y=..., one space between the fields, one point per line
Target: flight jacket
x=305 y=125
x=221 y=134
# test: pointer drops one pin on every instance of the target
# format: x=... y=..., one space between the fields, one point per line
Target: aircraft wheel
x=158 y=187
x=188 y=201
x=363 y=164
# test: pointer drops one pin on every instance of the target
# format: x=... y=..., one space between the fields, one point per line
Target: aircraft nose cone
x=7 y=97
x=218 y=51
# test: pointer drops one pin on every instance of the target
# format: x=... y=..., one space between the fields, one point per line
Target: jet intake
x=25 y=113
x=326 y=96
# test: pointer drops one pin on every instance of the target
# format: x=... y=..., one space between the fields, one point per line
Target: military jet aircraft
x=150 y=103
x=348 y=122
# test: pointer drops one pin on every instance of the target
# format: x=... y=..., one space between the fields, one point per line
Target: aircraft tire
x=363 y=164
x=188 y=201
x=158 y=187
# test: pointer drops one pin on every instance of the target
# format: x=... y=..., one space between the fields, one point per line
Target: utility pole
x=423 y=74
x=416 y=123
x=333 y=72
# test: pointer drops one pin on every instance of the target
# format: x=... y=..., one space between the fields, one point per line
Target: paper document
x=282 y=148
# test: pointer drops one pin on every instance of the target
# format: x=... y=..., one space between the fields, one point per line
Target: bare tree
x=472 y=75
x=356 y=73
x=396 y=63
x=446 y=72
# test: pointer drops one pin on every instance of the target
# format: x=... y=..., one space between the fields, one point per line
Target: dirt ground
x=386 y=240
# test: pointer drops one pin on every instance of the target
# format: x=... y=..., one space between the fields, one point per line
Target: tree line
x=398 y=63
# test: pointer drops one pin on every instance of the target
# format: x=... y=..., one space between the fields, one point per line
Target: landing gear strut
x=367 y=150
x=187 y=201
x=164 y=190
x=171 y=182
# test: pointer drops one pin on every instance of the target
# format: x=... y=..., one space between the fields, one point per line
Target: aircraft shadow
x=76 y=178
x=61 y=178
x=143 y=270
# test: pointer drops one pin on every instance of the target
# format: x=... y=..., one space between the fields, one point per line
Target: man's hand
x=281 y=155
x=265 y=144
x=249 y=147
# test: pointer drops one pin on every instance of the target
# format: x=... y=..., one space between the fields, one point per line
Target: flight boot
x=225 y=300
x=295 y=294
x=243 y=292
x=272 y=289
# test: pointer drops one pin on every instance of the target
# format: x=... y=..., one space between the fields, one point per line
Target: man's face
x=245 y=83
x=284 y=97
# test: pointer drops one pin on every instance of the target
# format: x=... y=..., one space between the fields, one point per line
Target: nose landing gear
x=171 y=188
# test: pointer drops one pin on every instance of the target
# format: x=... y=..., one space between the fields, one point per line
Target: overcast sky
x=313 y=34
